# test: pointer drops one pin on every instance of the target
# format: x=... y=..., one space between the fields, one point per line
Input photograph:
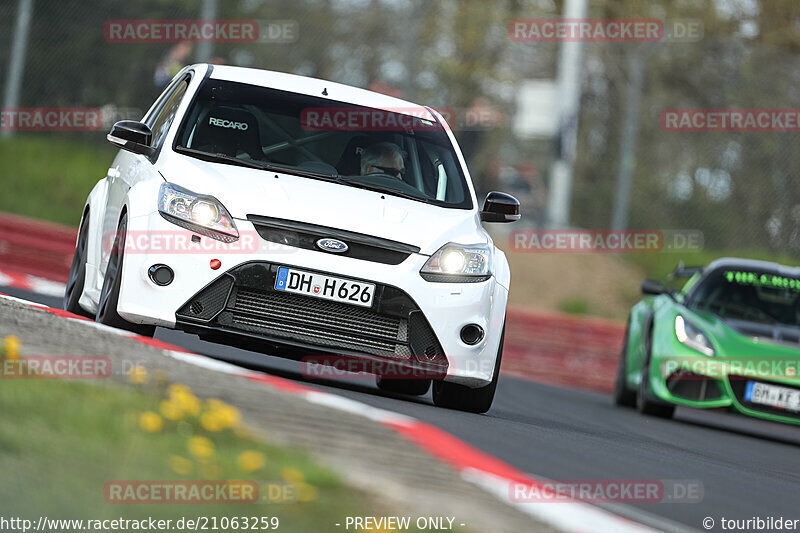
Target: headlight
x=692 y=337
x=196 y=212
x=456 y=263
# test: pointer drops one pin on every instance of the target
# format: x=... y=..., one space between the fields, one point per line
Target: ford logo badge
x=332 y=245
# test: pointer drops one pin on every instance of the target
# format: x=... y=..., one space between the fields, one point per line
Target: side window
x=154 y=109
x=164 y=117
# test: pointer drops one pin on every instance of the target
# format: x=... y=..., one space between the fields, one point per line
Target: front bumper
x=412 y=320
x=716 y=382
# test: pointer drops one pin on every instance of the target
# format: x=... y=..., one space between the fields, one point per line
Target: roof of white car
x=336 y=92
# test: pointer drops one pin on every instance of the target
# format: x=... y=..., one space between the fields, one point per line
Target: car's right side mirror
x=132 y=136
x=654 y=288
x=500 y=207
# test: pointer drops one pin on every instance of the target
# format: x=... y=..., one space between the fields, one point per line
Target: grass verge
x=48 y=177
x=62 y=442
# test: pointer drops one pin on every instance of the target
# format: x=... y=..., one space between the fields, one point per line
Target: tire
x=644 y=404
x=77 y=272
x=624 y=396
x=109 y=295
x=411 y=387
x=463 y=398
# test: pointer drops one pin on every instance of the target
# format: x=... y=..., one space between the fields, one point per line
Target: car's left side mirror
x=653 y=287
x=132 y=136
x=500 y=207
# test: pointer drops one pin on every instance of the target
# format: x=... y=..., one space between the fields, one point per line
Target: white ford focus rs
x=298 y=217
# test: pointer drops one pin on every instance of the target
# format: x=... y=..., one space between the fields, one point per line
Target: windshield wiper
x=252 y=163
x=380 y=188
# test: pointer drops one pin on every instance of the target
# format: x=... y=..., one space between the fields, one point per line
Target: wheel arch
x=94 y=207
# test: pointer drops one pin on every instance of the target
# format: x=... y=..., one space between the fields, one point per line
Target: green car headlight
x=690 y=335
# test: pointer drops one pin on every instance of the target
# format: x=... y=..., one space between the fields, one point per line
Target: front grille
x=244 y=300
x=315 y=312
x=317 y=321
x=304 y=235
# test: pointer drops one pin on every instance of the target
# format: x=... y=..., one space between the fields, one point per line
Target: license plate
x=773 y=396
x=326 y=287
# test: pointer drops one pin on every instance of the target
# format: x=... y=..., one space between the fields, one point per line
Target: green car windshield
x=745 y=294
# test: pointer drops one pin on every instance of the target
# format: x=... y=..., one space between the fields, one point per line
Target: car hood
x=245 y=191
x=745 y=338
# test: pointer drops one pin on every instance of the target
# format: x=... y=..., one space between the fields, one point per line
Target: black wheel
x=77 y=272
x=623 y=395
x=644 y=403
x=109 y=295
x=412 y=387
x=463 y=398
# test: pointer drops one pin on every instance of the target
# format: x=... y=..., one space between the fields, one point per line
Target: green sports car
x=730 y=338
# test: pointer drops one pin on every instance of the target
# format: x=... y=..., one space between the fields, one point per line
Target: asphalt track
x=748 y=468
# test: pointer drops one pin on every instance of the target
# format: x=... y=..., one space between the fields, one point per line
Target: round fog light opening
x=161 y=275
x=471 y=334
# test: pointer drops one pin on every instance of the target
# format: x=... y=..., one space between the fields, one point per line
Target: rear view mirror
x=500 y=207
x=654 y=288
x=132 y=136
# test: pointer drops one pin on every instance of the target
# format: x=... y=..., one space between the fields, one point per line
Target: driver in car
x=383 y=158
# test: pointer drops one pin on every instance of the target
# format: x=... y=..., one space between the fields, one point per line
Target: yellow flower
x=170 y=410
x=292 y=475
x=211 y=421
x=182 y=396
x=201 y=447
x=251 y=460
x=11 y=347
x=137 y=375
x=150 y=421
x=229 y=416
x=180 y=465
x=214 y=404
x=219 y=416
x=177 y=388
x=306 y=492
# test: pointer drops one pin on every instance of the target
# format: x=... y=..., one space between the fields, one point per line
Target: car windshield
x=755 y=295
x=400 y=152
